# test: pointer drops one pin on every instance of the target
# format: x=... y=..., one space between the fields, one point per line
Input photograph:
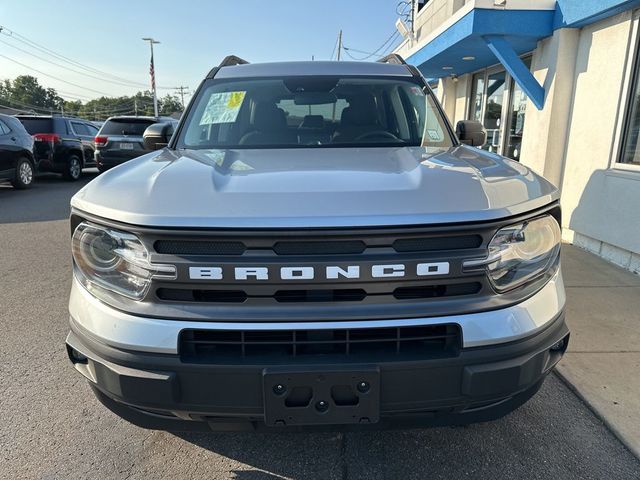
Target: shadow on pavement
x=48 y=198
x=539 y=440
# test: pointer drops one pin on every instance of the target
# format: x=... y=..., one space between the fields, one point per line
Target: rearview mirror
x=471 y=132
x=157 y=136
x=314 y=98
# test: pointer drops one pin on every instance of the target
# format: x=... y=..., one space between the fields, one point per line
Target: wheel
x=74 y=168
x=24 y=174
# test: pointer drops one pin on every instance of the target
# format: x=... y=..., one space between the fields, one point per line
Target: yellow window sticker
x=235 y=100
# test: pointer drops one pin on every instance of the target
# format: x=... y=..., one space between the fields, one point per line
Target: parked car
x=120 y=139
x=62 y=144
x=316 y=247
x=16 y=153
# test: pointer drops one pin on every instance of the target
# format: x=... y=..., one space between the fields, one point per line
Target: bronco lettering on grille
x=331 y=272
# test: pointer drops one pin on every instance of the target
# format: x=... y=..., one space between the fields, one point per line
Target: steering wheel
x=377 y=133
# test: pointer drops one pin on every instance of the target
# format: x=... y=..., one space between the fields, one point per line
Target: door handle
x=13 y=139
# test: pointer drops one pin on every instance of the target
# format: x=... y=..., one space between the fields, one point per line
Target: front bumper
x=159 y=392
x=134 y=368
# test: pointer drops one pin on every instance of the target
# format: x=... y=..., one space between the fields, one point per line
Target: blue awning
x=486 y=36
x=520 y=28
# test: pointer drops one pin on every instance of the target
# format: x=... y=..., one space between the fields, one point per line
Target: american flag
x=152 y=72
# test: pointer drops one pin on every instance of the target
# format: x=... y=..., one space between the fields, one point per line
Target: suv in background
x=16 y=153
x=61 y=144
x=120 y=139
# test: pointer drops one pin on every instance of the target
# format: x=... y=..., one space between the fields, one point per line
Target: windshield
x=125 y=126
x=313 y=112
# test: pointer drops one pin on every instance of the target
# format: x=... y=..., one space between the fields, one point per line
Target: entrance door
x=516 y=113
x=493 y=110
x=499 y=103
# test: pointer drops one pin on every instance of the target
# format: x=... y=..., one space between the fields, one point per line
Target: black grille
x=201 y=295
x=345 y=281
x=324 y=247
x=319 y=248
x=222 y=346
x=432 y=291
x=429 y=244
x=199 y=247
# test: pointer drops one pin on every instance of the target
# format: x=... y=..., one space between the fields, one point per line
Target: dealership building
x=556 y=84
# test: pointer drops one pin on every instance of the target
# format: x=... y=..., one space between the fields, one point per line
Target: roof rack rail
x=228 y=61
x=231 y=60
x=393 y=58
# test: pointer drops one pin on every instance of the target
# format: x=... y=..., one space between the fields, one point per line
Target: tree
x=169 y=104
x=25 y=92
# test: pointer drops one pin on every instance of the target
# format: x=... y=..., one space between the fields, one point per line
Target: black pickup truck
x=61 y=144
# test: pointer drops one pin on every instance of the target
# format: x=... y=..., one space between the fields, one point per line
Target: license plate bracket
x=321 y=396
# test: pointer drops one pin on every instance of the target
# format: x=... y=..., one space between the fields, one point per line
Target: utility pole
x=182 y=91
x=152 y=72
x=135 y=106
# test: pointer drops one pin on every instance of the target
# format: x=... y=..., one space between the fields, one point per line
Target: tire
x=73 y=171
x=24 y=174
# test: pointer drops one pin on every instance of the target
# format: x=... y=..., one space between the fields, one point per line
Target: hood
x=314 y=187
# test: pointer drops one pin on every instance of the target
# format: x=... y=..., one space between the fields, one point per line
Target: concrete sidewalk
x=603 y=361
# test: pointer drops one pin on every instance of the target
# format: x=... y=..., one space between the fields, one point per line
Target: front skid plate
x=322 y=396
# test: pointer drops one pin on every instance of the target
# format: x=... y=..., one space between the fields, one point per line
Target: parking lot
x=52 y=427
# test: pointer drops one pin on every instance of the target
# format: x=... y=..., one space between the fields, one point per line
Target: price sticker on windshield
x=222 y=108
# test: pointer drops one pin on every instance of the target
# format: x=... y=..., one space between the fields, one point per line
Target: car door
x=81 y=130
x=8 y=147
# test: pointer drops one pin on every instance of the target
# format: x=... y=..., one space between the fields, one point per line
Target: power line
x=21 y=38
x=79 y=72
x=55 y=78
x=388 y=41
x=127 y=107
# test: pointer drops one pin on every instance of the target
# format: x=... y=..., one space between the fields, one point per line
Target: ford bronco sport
x=315 y=247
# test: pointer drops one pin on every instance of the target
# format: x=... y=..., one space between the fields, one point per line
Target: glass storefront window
x=517 y=110
x=516 y=123
x=631 y=142
x=499 y=103
x=493 y=110
x=477 y=97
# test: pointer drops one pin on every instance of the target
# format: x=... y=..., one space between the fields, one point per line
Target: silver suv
x=315 y=247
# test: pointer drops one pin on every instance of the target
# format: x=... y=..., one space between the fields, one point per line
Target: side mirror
x=157 y=136
x=471 y=133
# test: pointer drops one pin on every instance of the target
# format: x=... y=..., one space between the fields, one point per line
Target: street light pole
x=152 y=72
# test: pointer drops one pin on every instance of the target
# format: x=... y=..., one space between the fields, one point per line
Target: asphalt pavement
x=51 y=426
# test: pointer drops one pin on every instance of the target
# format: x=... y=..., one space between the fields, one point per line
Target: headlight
x=520 y=253
x=115 y=261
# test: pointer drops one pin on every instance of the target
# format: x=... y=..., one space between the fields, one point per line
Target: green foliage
x=26 y=94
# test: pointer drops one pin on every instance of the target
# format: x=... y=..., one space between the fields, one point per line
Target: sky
x=194 y=34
